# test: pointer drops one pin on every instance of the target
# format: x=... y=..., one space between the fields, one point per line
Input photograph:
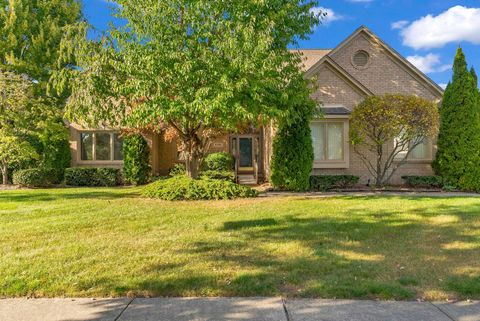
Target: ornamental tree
x=458 y=158
x=195 y=68
x=385 y=129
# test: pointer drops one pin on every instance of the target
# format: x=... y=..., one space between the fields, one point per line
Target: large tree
x=458 y=156
x=384 y=131
x=195 y=68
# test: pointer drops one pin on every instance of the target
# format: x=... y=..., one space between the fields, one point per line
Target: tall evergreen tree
x=458 y=158
x=474 y=75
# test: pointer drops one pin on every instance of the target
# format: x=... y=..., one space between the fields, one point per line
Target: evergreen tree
x=458 y=157
x=474 y=75
x=292 y=158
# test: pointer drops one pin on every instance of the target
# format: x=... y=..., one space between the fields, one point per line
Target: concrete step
x=247 y=180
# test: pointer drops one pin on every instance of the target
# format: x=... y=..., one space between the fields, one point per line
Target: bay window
x=101 y=146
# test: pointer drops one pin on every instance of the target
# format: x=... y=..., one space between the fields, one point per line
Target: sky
x=426 y=32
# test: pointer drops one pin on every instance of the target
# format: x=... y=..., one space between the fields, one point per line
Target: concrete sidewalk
x=218 y=309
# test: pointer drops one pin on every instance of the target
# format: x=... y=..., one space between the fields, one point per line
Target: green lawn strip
x=112 y=242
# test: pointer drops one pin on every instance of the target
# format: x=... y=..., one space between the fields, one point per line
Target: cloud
x=429 y=63
x=457 y=24
x=399 y=24
x=330 y=17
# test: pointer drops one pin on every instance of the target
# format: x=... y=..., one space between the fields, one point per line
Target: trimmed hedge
x=424 y=181
x=38 y=177
x=222 y=175
x=186 y=188
x=327 y=182
x=86 y=176
x=218 y=162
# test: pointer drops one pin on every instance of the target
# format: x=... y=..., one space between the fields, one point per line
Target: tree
x=459 y=137
x=292 y=158
x=385 y=129
x=136 y=159
x=12 y=151
x=194 y=67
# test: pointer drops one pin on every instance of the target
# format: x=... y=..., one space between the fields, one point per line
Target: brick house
x=360 y=66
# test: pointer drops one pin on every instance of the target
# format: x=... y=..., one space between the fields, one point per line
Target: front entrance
x=244 y=149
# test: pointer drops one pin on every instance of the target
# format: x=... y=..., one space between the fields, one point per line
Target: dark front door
x=245 y=150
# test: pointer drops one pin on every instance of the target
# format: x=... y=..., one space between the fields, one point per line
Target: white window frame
x=94 y=161
x=345 y=162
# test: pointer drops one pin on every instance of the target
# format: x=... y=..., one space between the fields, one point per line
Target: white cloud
x=457 y=24
x=330 y=17
x=443 y=85
x=399 y=24
x=429 y=63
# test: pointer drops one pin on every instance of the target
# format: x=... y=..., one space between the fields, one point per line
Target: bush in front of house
x=292 y=157
x=177 y=169
x=218 y=162
x=327 y=182
x=136 y=160
x=86 y=176
x=222 y=175
x=185 y=188
x=38 y=177
x=424 y=181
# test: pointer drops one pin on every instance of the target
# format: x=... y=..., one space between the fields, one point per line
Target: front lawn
x=111 y=242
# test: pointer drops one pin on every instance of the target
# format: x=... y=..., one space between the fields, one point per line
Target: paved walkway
x=233 y=309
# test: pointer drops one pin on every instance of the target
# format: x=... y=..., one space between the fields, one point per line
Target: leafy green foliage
x=292 y=158
x=186 y=188
x=218 y=162
x=89 y=176
x=38 y=177
x=328 y=182
x=136 y=160
x=424 y=181
x=384 y=127
x=195 y=67
x=55 y=145
x=222 y=175
x=458 y=155
x=177 y=169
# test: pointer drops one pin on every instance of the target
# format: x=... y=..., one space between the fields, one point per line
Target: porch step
x=247 y=180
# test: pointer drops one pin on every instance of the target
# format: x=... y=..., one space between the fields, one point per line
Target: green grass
x=111 y=242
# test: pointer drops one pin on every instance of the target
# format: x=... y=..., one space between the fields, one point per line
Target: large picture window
x=101 y=146
x=422 y=151
x=330 y=143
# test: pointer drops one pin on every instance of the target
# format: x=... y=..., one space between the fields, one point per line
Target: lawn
x=111 y=242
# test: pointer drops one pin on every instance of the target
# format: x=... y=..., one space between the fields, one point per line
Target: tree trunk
x=194 y=147
x=192 y=166
x=5 y=174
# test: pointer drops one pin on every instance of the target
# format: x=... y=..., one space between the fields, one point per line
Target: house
x=360 y=66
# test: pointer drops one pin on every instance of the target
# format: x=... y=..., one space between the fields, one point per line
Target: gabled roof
x=398 y=58
x=312 y=56
x=342 y=73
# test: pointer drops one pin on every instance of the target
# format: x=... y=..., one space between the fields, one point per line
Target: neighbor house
x=360 y=66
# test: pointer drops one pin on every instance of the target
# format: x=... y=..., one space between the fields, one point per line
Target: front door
x=245 y=154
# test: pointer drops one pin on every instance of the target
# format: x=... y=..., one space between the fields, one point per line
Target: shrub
x=38 y=177
x=424 y=181
x=327 y=182
x=136 y=160
x=83 y=176
x=186 y=188
x=292 y=156
x=218 y=162
x=222 y=175
x=177 y=169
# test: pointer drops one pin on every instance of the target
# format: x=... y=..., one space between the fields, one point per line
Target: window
x=329 y=143
x=422 y=151
x=101 y=146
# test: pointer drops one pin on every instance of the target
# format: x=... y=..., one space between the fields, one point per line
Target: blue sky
x=427 y=32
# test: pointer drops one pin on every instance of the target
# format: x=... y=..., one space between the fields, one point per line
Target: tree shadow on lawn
x=69 y=194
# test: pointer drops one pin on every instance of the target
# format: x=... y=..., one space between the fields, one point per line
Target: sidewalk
x=218 y=309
